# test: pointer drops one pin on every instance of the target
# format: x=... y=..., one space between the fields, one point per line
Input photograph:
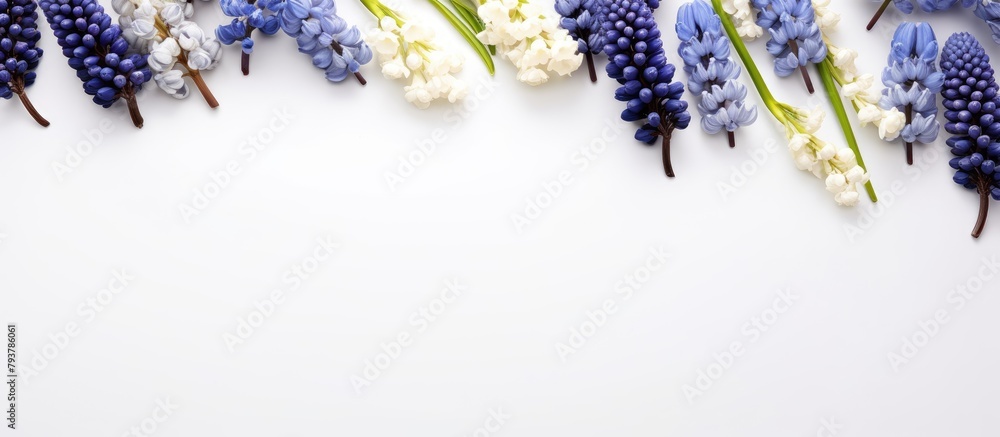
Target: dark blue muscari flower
x=712 y=74
x=97 y=51
x=582 y=19
x=907 y=6
x=971 y=108
x=18 y=54
x=247 y=17
x=333 y=45
x=637 y=62
x=796 y=40
x=912 y=83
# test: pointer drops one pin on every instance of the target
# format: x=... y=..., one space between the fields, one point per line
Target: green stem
x=775 y=107
x=845 y=124
x=466 y=32
x=751 y=68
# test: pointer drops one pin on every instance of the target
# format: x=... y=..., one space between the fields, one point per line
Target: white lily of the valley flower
x=860 y=89
x=409 y=51
x=892 y=123
x=744 y=17
x=529 y=38
x=825 y=17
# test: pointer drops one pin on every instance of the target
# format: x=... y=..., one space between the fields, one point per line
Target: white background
x=823 y=361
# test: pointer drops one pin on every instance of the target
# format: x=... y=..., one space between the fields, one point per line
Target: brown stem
x=245 y=63
x=205 y=92
x=732 y=139
x=668 y=168
x=906 y=144
x=794 y=46
x=245 y=59
x=984 y=204
x=340 y=51
x=17 y=86
x=881 y=10
x=128 y=93
x=590 y=66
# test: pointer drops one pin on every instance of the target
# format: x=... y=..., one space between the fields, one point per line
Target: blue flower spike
x=912 y=83
x=972 y=108
x=582 y=18
x=906 y=7
x=334 y=46
x=637 y=62
x=796 y=40
x=98 y=52
x=18 y=54
x=248 y=16
x=712 y=74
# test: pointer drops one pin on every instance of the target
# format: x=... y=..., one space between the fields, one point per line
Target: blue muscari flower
x=333 y=45
x=98 y=52
x=796 y=39
x=971 y=108
x=712 y=75
x=637 y=62
x=18 y=54
x=912 y=83
x=247 y=17
x=582 y=19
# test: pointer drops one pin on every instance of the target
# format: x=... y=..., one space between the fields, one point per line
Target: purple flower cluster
x=637 y=62
x=972 y=108
x=18 y=54
x=98 y=52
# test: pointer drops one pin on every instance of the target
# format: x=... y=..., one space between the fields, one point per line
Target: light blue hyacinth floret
x=908 y=6
x=712 y=74
x=582 y=19
x=796 y=40
x=912 y=82
x=247 y=17
x=334 y=46
x=989 y=11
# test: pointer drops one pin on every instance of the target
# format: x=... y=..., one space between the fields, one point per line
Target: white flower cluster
x=822 y=159
x=826 y=18
x=530 y=39
x=162 y=28
x=409 y=52
x=744 y=18
x=859 y=89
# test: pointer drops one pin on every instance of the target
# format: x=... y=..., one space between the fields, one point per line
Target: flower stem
x=128 y=93
x=906 y=144
x=881 y=10
x=983 y=185
x=590 y=66
x=732 y=139
x=245 y=58
x=17 y=86
x=668 y=168
x=758 y=81
x=203 y=87
x=466 y=32
x=826 y=75
x=802 y=68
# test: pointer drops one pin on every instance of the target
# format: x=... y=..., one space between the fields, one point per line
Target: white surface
x=493 y=347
